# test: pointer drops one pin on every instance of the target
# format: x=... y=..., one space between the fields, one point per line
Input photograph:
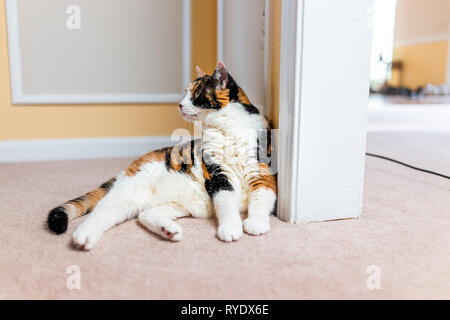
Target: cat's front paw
x=229 y=231
x=172 y=232
x=257 y=225
x=86 y=237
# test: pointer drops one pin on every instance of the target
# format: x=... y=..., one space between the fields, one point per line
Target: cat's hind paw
x=257 y=225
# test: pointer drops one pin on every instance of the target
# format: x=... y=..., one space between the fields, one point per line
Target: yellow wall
x=275 y=66
x=415 y=22
x=422 y=64
x=416 y=19
x=80 y=121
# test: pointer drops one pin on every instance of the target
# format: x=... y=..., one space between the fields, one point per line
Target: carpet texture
x=404 y=230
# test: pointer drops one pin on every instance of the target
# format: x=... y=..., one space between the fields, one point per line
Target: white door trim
x=324 y=91
x=289 y=113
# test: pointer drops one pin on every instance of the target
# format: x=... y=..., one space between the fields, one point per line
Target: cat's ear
x=200 y=72
x=221 y=75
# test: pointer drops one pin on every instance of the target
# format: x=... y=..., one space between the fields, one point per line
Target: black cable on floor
x=408 y=165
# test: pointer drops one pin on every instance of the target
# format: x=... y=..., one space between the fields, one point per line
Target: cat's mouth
x=189 y=117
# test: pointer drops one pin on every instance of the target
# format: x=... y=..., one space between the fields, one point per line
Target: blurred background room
x=409 y=110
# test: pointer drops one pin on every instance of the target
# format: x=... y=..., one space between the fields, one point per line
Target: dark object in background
x=420 y=92
x=401 y=91
x=390 y=90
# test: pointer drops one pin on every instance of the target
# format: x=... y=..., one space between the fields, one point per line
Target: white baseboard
x=71 y=149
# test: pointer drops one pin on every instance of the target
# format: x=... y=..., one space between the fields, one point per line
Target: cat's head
x=210 y=93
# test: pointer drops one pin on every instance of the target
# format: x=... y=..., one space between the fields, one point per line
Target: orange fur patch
x=265 y=179
x=206 y=174
x=181 y=157
x=81 y=206
x=242 y=97
x=87 y=202
x=177 y=158
x=223 y=97
x=154 y=156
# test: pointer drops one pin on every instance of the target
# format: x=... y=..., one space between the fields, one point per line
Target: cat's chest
x=231 y=147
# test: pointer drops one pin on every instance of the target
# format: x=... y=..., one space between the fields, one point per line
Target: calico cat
x=222 y=174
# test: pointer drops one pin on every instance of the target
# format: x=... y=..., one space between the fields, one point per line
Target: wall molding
x=73 y=149
x=19 y=97
x=422 y=40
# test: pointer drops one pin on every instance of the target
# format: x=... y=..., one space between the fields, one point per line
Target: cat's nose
x=180 y=106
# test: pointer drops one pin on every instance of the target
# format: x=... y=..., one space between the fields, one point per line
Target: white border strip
x=72 y=149
x=422 y=40
x=20 y=98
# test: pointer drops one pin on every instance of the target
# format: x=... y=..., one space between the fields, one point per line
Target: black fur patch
x=108 y=184
x=251 y=109
x=204 y=94
x=200 y=99
x=79 y=199
x=218 y=181
x=192 y=154
x=184 y=167
x=275 y=207
x=234 y=96
x=57 y=220
x=234 y=89
x=167 y=161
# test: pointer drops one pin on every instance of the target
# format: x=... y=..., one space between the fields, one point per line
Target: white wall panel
x=123 y=50
x=241 y=44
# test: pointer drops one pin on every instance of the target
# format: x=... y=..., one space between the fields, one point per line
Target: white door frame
x=324 y=89
x=289 y=113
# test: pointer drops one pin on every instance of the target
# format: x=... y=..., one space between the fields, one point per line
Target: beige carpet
x=404 y=230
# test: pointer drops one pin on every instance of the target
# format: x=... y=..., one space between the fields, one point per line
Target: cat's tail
x=59 y=217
